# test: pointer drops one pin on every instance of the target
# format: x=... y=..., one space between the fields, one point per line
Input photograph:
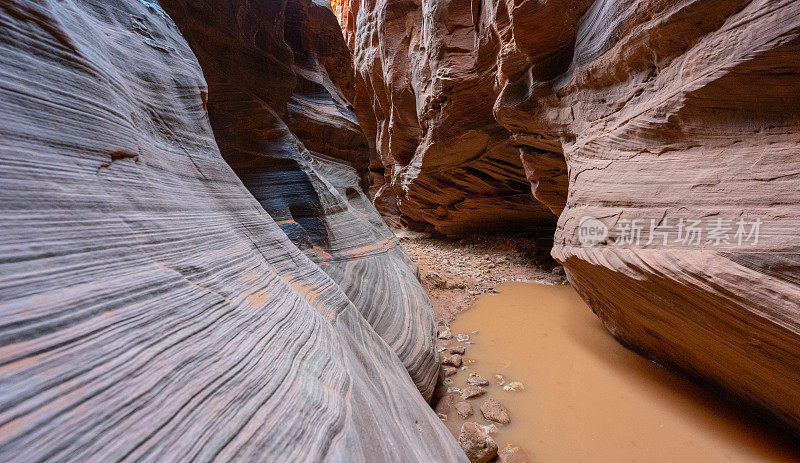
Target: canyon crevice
x=638 y=114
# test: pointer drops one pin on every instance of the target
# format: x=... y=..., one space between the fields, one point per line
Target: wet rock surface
x=477 y=380
x=449 y=371
x=493 y=410
x=463 y=408
x=471 y=392
x=476 y=443
x=454 y=360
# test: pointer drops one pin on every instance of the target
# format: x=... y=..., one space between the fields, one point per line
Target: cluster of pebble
x=475 y=438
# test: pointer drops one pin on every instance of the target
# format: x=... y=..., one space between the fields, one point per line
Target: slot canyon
x=358 y=230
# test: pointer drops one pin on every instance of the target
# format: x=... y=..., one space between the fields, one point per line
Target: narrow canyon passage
x=586 y=398
x=252 y=230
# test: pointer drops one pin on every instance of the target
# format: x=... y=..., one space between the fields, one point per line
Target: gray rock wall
x=150 y=308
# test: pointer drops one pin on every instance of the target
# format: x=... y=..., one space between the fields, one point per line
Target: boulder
x=476 y=443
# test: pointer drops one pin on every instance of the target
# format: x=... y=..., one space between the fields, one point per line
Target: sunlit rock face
x=150 y=307
x=625 y=110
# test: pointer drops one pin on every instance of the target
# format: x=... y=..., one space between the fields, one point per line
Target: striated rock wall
x=690 y=111
x=622 y=110
x=278 y=106
x=150 y=307
x=425 y=81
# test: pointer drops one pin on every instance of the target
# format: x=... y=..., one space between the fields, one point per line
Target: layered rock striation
x=681 y=115
x=425 y=81
x=187 y=271
x=278 y=105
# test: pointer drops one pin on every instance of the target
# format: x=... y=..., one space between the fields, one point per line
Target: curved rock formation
x=278 y=106
x=624 y=111
x=425 y=91
x=680 y=113
x=150 y=308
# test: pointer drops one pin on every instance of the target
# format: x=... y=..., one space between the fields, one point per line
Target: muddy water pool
x=587 y=398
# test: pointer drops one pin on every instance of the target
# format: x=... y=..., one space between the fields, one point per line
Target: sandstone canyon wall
x=424 y=95
x=278 y=106
x=179 y=286
x=680 y=112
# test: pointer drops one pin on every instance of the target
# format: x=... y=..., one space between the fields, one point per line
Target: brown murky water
x=587 y=398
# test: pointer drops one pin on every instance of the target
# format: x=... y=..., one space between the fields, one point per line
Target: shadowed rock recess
x=188 y=270
x=620 y=110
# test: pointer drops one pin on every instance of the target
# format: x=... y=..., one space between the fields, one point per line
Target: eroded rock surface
x=150 y=307
x=687 y=111
x=424 y=95
x=278 y=89
x=477 y=444
x=621 y=110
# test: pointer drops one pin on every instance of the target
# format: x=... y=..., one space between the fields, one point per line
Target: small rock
x=449 y=371
x=454 y=360
x=493 y=410
x=472 y=391
x=436 y=280
x=445 y=333
x=513 y=454
x=461 y=337
x=478 y=445
x=463 y=408
x=477 y=380
x=514 y=386
x=445 y=404
x=458 y=350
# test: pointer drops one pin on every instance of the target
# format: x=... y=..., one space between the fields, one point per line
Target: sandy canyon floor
x=455 y=272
